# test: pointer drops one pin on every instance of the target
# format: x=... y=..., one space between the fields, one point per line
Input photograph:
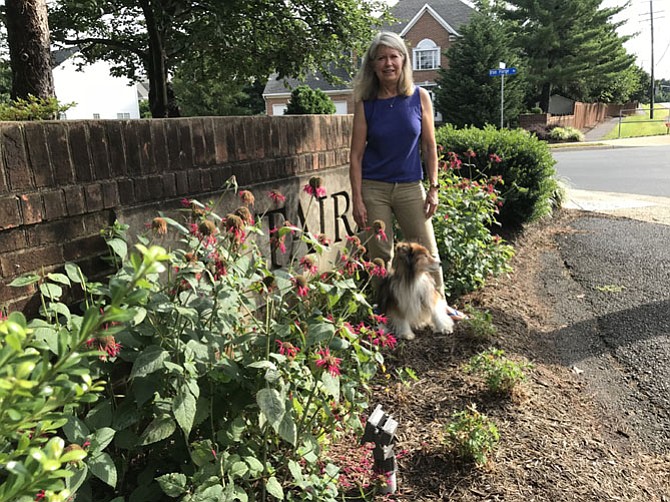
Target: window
x=426 y=55
x=96 y=116
x=123 y=115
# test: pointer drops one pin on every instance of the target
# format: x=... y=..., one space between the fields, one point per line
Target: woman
x=393 y=131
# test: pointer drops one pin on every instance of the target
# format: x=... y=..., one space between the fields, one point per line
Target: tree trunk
x=545 y=96
x=29 y=49
x=157 y=71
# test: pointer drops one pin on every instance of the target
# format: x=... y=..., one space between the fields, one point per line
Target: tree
x=238 y=41
x=466 y=95
x=199 y=95
x=567 y=43
x=305 y=100
x=29 y=49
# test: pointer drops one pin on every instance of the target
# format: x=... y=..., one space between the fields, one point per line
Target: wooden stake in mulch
x=380 y=430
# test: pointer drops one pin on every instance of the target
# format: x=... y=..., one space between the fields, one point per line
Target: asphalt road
x=609 y=282
x=642 y=170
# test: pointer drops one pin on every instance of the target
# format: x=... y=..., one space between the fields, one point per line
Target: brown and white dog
x=408 y=297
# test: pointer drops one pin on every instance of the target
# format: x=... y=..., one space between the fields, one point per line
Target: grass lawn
x=641 y=125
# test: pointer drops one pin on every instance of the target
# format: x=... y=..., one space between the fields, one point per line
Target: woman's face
x=388 y=64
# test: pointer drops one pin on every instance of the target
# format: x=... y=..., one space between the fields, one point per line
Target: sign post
x=501 y=72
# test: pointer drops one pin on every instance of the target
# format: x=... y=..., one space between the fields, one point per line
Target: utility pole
x=653 y=82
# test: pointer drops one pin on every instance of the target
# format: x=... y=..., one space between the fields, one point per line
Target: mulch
x=555 y=444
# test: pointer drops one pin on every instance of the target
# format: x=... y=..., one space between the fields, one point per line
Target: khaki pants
x=405 y=201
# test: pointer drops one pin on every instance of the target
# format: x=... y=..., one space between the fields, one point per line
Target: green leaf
x=274 y=488
x=184 y=407
x=101 y=438
x=295 y=470
x=52 y=291
x=271 y=405
x=73 y=272
x=24 y=280
x=160 y=428
x=75 y=430
x=255 y=465
x=150 y=360
x=102 y=467
x=59 y=278
x=77 y=479
x=173 y=484
x=288 y=429
x=320 y=332
x=238 y=470
x=331 y=384
x=119 y=247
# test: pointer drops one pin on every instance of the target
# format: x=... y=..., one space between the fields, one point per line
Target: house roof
x=313 y=80
x=58 y=56
x=452 y=13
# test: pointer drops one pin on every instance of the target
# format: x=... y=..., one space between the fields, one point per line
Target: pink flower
x=277 y=241
x=470 y=153
x=314 y=187
x=495 y=158
x=106 y=344
x=301 y=285
x=247 y=197
x=379 y=228
x=185 y=202
x=378 y=268
x=328 y=362
x=288 y=349
x=277 y=197
x=308 y=265
x=383 y=339
x=40 y=495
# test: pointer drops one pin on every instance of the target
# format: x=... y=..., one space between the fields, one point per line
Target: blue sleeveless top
x=392 y=153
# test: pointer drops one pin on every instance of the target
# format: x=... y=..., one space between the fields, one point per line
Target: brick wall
x=428 y=27
x=62 y=182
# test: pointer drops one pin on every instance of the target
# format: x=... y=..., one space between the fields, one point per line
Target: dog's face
x=413 y=258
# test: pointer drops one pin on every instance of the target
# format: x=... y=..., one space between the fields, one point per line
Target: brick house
x=428 y=26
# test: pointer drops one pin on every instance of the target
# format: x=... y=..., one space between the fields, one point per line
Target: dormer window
x=426 y=55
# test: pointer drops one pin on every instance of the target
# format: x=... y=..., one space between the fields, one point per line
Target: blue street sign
x=502 y=71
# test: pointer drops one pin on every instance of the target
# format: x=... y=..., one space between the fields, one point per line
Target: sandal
x=456 y=315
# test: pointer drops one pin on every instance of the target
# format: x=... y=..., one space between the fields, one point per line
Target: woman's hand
x=430 y=206
x=360 y=214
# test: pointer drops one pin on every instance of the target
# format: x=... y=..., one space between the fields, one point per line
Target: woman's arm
x=358 y=141
x=429 y=151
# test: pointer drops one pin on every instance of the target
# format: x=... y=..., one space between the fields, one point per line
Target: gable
x=450 y=14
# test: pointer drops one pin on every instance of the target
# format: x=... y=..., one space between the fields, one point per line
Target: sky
x=637 y=20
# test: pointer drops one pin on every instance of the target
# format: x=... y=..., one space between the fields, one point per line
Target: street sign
x=502 y=71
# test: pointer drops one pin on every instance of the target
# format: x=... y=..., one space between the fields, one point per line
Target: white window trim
x=426 y=45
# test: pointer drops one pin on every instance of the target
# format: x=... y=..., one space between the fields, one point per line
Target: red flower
x=308 y=265
x=277 y=241
x=383 y=339
x=495 y=158
x=185 y=202
x=247 y=197
x=314 y=187
x=470 y=153
x=288 y=349
x=328 y=362
x=301 y=284
x=106 y=344
x=379 y=228
x=277 y=197
x=40 y=495
x=378 y=268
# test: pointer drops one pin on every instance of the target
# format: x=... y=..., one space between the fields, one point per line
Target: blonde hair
x=366 y=83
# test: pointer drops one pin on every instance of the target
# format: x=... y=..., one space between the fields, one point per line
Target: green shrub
x=45 y=378
x=479 y=324
x=470 y=253
x=526 y=167
x=229 y=379
x=502 y=375
x=33 y=109
x=305 y=100
x=471 y=436
x=566 y=134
